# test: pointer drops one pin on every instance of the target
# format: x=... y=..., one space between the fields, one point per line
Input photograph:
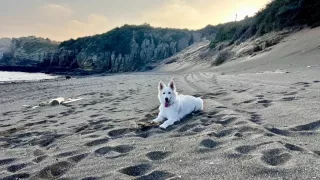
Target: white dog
x=173 y=106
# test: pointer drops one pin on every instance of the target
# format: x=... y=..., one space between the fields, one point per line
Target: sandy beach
x=261 y=121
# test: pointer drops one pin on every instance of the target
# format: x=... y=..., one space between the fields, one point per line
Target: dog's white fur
x=177 y=106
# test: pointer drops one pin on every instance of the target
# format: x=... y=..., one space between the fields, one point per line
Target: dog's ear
x=172 y=86
x=161 y=85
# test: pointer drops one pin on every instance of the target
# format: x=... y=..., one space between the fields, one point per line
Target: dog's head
x=167 y=94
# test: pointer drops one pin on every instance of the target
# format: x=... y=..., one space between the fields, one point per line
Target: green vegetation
x=222 y=57
x=119 y=39
x=230 y=31
x=33 y=44
x=278 y=15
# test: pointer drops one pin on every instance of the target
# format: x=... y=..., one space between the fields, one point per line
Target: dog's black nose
x=166 y=99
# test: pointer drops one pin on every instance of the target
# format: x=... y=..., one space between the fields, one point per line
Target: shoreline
x=46 y=70
x=31 y=81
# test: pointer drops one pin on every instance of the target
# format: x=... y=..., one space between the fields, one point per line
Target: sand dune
x=261 y=121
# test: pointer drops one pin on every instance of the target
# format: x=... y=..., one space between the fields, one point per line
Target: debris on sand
x=62 y=100
x=147 y=125
x=54 y=102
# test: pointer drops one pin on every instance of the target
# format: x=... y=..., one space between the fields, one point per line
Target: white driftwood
x=71 y=100
x=56 y=101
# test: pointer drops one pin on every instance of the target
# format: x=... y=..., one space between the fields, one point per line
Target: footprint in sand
x=187 y=127
x=158 y=175
x=222 y=133
x=265 y=103
x=17 y=176
x=278 y=131
x=115 y=151
x=307 y=127
x=136 y=170
x=119 y=132
x=40 y=158
x=45 y=140
x=289 y=98
x=226 y=121
x=255 y=118
x=260 y=96
x=158 y=155
x=317 y=152
x=293 y=147
x=58 y=169
x=123 y=148
x=97 y=142
x=248 y=101
x=209 y=143
x=304 y=84
x=245 y=149
x=66 y=154
x=90 y=178
x=198 y=129
x=290 y=93
x=275 y=157
x=7 y=161
x=77 y=158
x=16 y=167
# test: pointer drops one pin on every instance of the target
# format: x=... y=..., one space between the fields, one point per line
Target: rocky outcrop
x=28 y=50
x=128 y=48
x=5 y=44
x=125 y=49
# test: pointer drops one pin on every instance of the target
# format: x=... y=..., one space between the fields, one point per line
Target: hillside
x=251 y=36
x=28 y=50
x=123 y=49
x=276 y=16
x=4 y=45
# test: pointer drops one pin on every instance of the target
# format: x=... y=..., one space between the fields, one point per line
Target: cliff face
x=5 y=44
x=124 y=49
x=28 y=50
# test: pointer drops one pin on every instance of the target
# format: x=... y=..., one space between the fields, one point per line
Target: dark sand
x=259 y=122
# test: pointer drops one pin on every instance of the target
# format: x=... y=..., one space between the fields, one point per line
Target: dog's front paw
x=156 y=120
x=163 y=126
x=166 y=124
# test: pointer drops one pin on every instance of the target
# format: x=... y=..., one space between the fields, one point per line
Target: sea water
x=6 y=76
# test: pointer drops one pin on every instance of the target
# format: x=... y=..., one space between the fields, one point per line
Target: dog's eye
x=164 y=93
x=169 y=92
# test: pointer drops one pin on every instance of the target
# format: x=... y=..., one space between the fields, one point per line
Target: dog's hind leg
x=199 y=106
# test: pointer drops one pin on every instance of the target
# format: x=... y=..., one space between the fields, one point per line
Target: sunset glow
x=61 y=20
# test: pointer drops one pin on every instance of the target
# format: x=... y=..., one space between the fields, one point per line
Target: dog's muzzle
x=167 y=102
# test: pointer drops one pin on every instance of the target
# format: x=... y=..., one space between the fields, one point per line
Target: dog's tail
x=199 y=106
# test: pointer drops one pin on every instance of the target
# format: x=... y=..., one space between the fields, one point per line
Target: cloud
x=61 y=22
x=61 y=19
x=174 y=14
x=94 y=24
x=57 y=9
x=198 y=14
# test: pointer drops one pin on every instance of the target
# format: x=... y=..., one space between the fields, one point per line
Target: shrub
x=222 y=57
x=277 y=15
x=119 y=39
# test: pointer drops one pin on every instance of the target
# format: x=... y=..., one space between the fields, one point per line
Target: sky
x=64 y=19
